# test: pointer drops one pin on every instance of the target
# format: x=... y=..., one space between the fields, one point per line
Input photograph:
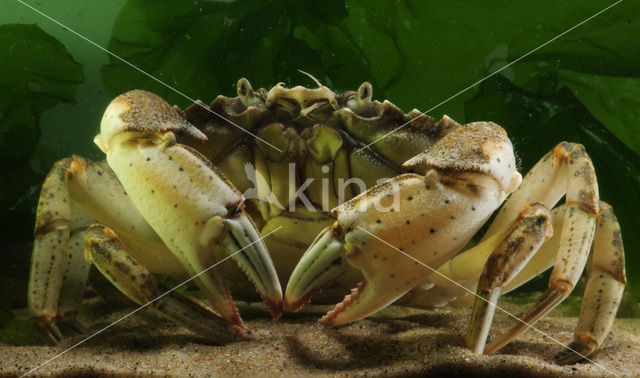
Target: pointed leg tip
x=568 y=358
x=237 y=321
x=222 y=335
x=72 y=325
x=493 y=347
x=275 y=307
x=235 y=333
x=476 y=346
x=575 y=353
x=496 y=345
x=48 y=330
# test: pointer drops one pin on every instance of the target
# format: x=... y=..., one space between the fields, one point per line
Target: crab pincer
x=394 y=232
x=192 y=207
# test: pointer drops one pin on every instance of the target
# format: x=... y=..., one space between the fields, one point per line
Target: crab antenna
x=312 y=78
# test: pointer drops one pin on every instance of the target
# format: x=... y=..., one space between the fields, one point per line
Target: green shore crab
x=346 y=192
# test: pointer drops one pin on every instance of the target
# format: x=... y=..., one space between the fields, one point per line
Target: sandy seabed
x=395 y=342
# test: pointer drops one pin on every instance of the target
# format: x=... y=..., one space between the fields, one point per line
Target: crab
x=343 y=191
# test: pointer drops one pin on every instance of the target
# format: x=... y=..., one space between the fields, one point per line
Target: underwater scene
x=336 y=188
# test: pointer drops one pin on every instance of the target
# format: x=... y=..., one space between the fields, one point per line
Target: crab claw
x=327 y=259
x=401 y=230
x=193 y=208
x=323 y=262
x=250 y=253
x=359 y=237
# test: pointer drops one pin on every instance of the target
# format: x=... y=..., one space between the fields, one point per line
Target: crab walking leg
x=49 y=249
x=525 y=236
x=604 y=289
x=105 y=289
x=106 y=252
x=96 y=189
x=75 y=192
x=546 y=182
x=443 y=288
x=544 y=257
x=193 y=208
x=575 y=243
x=76 y=273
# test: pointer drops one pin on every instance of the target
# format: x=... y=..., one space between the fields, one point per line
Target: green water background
x=583 y=87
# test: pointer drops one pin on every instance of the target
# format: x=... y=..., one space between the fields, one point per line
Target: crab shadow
x=423 y=344
x=377 y=343
x=146 y=332
x=551 y=352
x=399 y=351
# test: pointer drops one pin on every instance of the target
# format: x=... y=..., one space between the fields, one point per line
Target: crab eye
x=243 y=87
x=365 y=91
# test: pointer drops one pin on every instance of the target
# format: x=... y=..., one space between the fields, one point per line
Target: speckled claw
x=323 y=262
x=193 y=208
x=244 y=244
x=399 y=231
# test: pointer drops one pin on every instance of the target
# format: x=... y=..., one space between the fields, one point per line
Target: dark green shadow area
x=36 y=74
